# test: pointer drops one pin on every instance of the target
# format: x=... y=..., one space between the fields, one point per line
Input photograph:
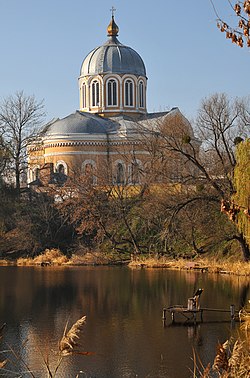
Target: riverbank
x=203 y=265
x=54 y=257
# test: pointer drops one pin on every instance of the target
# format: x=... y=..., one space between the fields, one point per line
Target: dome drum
x=113 y=93
x=113 y=79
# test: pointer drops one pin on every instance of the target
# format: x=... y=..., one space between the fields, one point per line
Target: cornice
x=84 y=143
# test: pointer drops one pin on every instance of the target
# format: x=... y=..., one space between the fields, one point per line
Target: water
x=124 y=328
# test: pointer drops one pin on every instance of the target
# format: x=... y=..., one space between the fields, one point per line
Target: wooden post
x=164 y=314
x=232 y=311
x=172 y=315
x=194 y=316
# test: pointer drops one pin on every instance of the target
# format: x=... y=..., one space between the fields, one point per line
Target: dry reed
x=49 y=256
x=67 y=346
x=209 y=265
x=4 y=362
x=232 y=359
x=69 y=340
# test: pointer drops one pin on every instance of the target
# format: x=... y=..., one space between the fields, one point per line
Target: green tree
x=242 y=188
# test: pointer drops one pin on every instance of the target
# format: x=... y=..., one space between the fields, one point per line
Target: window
x=120 y=176
x=141 y=94
x=36 y=172
x=84 y=95
x=129 y=93
x=88 y=169
x=135 y=171
x=61 y=169
x=112 y=92
x=88 y=172
x=95 y=93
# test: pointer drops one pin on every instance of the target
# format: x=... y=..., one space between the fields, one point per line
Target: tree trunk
x=17 y=173
x=136 y=247
x=244 y=246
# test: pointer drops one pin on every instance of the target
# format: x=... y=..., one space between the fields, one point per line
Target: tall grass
x=68 y=345
x=232 y=359
x=205 y=264
x=49 y=256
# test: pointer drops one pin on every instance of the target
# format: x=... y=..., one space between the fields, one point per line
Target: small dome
x=113 y=57
x=79 y=123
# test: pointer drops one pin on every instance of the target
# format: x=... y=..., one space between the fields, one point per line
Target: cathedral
x=103 y=136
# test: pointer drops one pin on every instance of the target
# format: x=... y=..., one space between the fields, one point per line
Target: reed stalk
x=68 y=345
x=232 y=359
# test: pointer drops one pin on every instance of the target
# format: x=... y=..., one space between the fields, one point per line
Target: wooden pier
x=194 y=312
x=194 y=315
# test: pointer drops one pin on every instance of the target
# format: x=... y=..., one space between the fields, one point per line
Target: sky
x=43 y=44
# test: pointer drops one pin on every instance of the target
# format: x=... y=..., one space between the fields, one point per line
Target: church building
x=103 y=136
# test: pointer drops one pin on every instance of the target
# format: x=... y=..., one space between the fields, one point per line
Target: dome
x=113 y=57
x=79 y=123
x=113 y=79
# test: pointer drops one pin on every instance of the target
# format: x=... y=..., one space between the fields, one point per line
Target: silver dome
x=80 y=123
x=113 y=57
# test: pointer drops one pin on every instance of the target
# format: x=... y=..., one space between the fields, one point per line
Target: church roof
x=113 y=57
x=80 y=123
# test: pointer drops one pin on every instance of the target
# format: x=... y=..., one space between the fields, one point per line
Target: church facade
x=103 y=136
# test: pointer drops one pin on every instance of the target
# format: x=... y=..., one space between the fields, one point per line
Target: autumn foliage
x=239 y=34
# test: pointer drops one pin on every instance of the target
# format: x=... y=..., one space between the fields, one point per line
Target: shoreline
x=205 y=265
x=202 y=265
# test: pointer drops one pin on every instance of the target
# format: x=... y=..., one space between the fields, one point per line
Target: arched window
x=61 y=167
x=134 y=173
x=129 y=93
x=141 y=94
x=95 y=93
x=88 y=169
x=84 y=95
x=36 y=173
x=120 y=174
x=112 y=92
x=135 y=170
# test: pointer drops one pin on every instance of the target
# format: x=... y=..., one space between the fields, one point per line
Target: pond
x=124 y=327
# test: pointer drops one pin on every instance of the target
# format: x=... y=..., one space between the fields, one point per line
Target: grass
x=4 y=262
x=56 y=257
x=49 y=257
x=203 y=264
x=232 y=359
x=68 y=345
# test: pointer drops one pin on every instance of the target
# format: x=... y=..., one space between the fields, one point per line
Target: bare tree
x=20 y=116
x=4 y=159
x=207 y=157
x=219 y=124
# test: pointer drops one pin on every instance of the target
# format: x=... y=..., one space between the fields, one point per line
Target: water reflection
x=124 y=325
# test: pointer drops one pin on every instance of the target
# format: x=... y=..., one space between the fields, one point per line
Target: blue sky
x=43 y=44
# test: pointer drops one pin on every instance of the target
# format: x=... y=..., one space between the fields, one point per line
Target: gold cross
x=113 y=11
